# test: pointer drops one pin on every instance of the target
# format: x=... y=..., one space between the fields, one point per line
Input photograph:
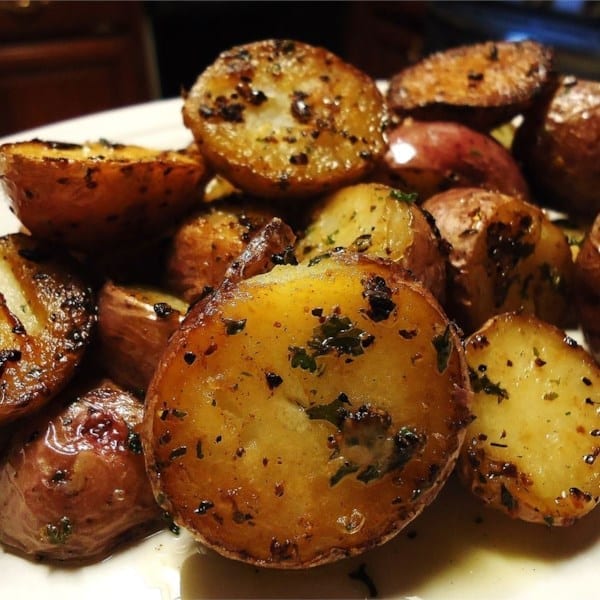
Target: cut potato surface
x=377 y=220
x=506 y=255
x=86 y=195
x=306 y=414
x=207 y=242
x=532 y=449
x=481 y=85
x=281 y=118
x=46 y=318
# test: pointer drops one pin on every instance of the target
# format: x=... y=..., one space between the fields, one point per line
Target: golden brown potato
x=558 y=145
x=307 y=414
x=134 y=325
x=281 y=118
x=377 y=220
x=72 y=483
x=506 y=255
x=532 y=449
x=46 y=318
x=428 y=157
x=480 y=85
x=587 y=288
x=86 y=195
x=205 y=245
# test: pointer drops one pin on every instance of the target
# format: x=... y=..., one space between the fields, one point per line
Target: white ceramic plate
x=455 y=550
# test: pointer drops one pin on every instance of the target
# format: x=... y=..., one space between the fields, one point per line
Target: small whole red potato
x=430 y=157
x=559 y=147
x=72 y=481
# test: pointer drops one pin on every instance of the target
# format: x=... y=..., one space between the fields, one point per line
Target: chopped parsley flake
x=337 y=334
x=408 y=197
x=443 y=346
x=335 y=412
x=233 y=326
x=484 y=384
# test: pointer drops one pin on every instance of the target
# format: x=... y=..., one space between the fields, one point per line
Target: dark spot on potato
x=162 y=309
x=273 y=380
x=189 y=357
x=299 y=159
x=283 y=550
x=204 y=507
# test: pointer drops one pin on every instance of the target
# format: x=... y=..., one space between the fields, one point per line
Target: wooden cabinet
x=64 y=59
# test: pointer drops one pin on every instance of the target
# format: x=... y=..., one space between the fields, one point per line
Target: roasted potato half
x=480 y=85
x=72 y=482
x=428 y=157
x=558 y=146
x=532 y=449
x=134 y=325
x=207 y=242
x=587 y=288
x=281 y=118
x=506 y=255
x=87 y=195
x=47 y=314
x=377 y=220
x=307 y=414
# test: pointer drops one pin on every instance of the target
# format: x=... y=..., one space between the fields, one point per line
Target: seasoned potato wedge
x=72 y=483
x=46 y=318
x=532 y=450
x=377 y=220
x=429 y=157
x=587 y=288
x=134 y=324
x=480 y=85
x=204 y=246
x=506 y=255
x=86 y=195
x=558 y=145
x=281 y=118
x=306 y=414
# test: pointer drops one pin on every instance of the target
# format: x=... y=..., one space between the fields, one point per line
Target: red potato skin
x=431 y=157
x=72 y=481
x=500 y=246
x=558 y=145
x=587 y=288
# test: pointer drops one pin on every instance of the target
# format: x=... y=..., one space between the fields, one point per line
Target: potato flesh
x=285 y=119
x=86 y=195
x=205 y=245
x=506 y=255
x=481 y=85
x=17 y=303
x=231 y=449
x=46 y=319
x=380 y=221
x=533 y=446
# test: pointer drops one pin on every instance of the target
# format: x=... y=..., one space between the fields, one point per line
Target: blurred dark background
x=62 y=59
